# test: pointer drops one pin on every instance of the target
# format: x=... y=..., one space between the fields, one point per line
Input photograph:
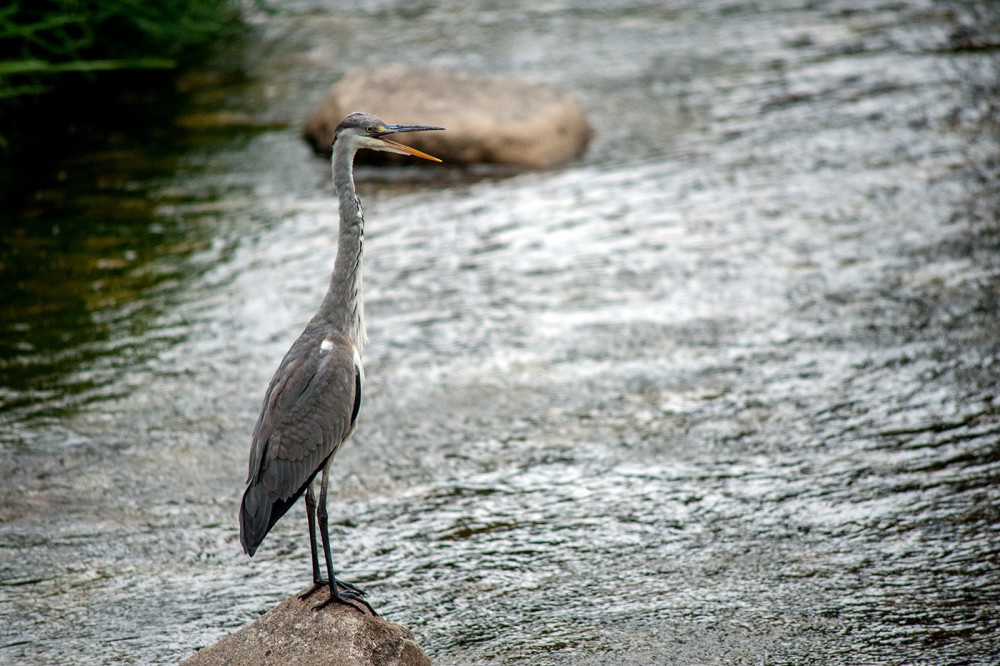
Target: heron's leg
x=316 y=575
x=350 y=593
x=318 y=581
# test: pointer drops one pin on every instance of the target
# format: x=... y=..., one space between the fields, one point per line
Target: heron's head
x=363 y=130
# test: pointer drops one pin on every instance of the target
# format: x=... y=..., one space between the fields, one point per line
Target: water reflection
x=77 y=293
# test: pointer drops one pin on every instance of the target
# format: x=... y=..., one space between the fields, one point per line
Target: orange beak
x=406 y=149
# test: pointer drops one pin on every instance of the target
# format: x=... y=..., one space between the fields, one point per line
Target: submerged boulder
x=293 y=633
x=488 y=120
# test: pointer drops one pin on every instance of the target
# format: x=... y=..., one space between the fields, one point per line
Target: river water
x=723 y=391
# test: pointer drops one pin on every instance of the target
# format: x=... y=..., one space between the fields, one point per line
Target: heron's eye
x=369 y=130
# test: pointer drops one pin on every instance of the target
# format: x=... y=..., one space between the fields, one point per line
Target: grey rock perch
x=293 y=633
x=489 y=120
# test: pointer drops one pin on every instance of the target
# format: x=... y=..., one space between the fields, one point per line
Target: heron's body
x=311 y=405
x=310 y=409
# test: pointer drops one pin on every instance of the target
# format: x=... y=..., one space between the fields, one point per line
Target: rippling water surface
x=723 y=391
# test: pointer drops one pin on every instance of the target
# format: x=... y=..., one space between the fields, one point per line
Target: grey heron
x=311 y=405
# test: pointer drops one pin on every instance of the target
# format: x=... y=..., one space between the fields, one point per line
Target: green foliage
x=43 y=40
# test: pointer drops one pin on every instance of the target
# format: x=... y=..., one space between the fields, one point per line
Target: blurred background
x=724 y=390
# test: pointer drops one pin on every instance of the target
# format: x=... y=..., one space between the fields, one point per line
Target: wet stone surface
x=724 y=391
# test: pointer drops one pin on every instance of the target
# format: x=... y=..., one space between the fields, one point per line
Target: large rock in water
x=293 y=633
x=487 y=120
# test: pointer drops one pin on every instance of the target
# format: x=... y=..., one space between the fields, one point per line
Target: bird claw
x=348 y=588
x=318 y=585
x=352 y=589
x=347 y=598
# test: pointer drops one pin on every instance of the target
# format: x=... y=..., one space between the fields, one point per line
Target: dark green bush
x=43 y=40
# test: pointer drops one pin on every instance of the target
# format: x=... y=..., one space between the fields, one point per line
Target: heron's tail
x=255 y=517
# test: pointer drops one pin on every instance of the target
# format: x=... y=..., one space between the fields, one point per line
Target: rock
x=488 y=120
x=293 y=633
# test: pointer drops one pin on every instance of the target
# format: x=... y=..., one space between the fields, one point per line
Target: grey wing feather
x=309 y=410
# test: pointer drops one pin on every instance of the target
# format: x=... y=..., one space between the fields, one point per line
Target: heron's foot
x=321 y=584
x=317 y=585
x=350 y=587
x=348 y=598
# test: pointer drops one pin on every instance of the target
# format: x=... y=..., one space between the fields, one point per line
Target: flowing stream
x=726 y=390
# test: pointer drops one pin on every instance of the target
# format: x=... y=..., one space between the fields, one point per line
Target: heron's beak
x=398 y=147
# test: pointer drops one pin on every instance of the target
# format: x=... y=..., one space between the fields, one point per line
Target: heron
x=311 y=406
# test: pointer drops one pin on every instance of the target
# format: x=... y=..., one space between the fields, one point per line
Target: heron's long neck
x=344 y=305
